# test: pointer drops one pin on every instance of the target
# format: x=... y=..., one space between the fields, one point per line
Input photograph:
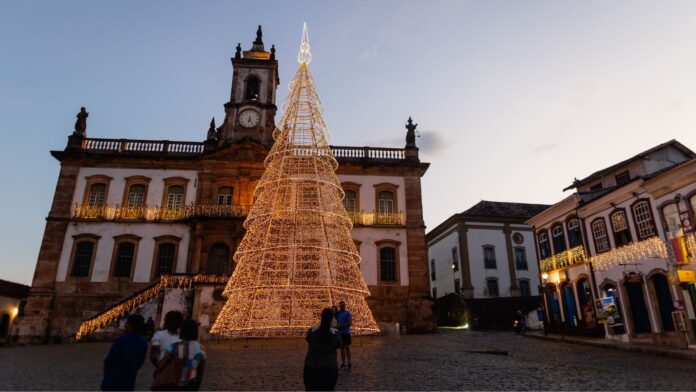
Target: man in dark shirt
x=125 y=357
x=344 y=319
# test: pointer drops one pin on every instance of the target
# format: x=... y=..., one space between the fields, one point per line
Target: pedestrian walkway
x=653 y=349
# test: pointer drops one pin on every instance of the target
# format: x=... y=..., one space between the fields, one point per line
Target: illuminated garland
x=563 y=260
x=123 y=308
x=297 y=256
x=119 y=212
x=652 y=248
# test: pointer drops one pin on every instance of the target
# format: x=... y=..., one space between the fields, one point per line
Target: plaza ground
x=451 y=360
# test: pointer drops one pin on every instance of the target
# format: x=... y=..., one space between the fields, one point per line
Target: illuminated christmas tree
x=297 y=256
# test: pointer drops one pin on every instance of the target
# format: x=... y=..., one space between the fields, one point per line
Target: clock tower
x=250 y=113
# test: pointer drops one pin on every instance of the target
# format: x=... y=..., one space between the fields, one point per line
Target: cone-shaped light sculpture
x=297 y=256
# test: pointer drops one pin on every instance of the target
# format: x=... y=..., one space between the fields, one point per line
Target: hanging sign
x=686 y=276
x=609 y=311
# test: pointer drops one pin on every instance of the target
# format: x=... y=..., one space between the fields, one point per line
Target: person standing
x=125 y=357
x=344 y=319
x=321 y=367
x=161 y=340
x=190 y=354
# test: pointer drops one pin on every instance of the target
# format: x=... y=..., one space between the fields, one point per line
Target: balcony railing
x=368 y=152
x=125 y=146
x=104 y=212
x=562 y=260
x=183 y=148
x=372 y=218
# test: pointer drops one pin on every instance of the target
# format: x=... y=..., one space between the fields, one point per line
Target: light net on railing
x=652 y=248
x=563 y=260
x=297 y=256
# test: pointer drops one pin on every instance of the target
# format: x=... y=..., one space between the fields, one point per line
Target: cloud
x=431 y=142
x=368 y=54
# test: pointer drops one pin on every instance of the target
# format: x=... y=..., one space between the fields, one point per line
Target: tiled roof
x=497 y=209
x=609 y=169
x=13 y=290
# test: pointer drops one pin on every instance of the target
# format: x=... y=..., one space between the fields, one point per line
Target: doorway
x=636 y=301
x=664 y=301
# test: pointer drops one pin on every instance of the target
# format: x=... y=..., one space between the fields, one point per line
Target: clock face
x=249 y=118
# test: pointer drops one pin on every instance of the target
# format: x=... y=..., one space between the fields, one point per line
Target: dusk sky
x=513 y=98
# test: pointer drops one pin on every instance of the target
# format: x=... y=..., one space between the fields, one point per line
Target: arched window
x=574 y=234
x=492 y=287
x=385 y=201
x=97 y=195
x=642 y=215
x=166 y=258
x=672 y=221
x=83 y=256
x=218 y=259
x=544 y=247
x=175 y=197
x=599 y=234
x=489 y=257
x=136 y=196
x=521 y=259
x=559 y=244
x=125 y=255
x=692 y=201
x=387 y=264
x=525 y=289
x=225 y=195
x=253 y=88
x=350 y=201
x=619 y=225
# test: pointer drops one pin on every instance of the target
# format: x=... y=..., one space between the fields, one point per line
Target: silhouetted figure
x=320 y=369
x=81 y=123
x=411 y=134
x=125 y=357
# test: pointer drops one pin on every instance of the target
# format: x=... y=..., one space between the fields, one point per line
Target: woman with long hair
x=321 y=367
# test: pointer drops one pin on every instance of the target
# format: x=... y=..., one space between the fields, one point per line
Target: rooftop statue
x=81 y=123
x=410 y=133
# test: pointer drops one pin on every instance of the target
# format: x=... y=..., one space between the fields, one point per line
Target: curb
x=679 y=354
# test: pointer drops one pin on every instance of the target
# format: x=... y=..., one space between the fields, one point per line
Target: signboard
x=686 y=275
x=608 y=311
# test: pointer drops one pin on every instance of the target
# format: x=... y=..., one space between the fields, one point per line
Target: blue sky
x=513 y=98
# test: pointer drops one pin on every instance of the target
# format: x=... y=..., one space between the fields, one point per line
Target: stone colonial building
x=487 y=255
x=617 y=256
x=133 y=222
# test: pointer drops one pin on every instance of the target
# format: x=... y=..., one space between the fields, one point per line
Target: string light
x=563 y=260
x=165 y=281
x=631 y=253
x=297 y=256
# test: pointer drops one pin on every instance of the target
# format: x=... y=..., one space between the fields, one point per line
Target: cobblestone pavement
x=453 y=360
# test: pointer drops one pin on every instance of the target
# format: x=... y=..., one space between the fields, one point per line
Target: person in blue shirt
x=125 y=357
x=344 y=319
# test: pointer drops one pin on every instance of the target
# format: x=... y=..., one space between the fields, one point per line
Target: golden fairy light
x=652 y=248
x=123 y=308
x=297 y=256
x=563 y=260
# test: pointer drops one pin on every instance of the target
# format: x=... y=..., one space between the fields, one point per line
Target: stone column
x=35 y=325
x=514 y=289
x=467 y=287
